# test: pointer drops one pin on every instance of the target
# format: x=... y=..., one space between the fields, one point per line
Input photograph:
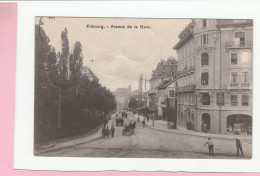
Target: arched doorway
x=205 y=118
x=241 y=120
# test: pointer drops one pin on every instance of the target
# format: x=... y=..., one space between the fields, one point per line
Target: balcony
x=239 y=44
x=185 y=71
x=186 y=88
x=239 y=86
x=234 y=85
x=245 y=85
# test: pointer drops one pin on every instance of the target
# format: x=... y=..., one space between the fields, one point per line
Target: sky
x=117 y=55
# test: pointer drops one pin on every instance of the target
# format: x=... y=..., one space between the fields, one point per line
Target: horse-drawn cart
x=129 y=129
x=124 y=115
x=119 y=121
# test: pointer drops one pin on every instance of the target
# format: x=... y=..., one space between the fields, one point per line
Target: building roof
x=183 y=41
x=122 y=91
x=225 y=23
x=166 y=84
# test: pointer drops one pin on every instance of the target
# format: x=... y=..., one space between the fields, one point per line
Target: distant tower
x=129 y=90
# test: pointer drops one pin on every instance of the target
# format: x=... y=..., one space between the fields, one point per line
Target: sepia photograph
x=143 y=87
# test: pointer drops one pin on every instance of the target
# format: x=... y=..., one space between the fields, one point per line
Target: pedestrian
x=148 y=118
x=103 y=132
x=107 y=132
x=138 y=119
x=143 y=123
x=239 y=147
x=210 y=146
x=112 y=131
x=202 y=126
x=205 y=128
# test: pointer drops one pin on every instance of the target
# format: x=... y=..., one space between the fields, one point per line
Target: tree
x=64 y=55
x=57 y=76
x=76 y=61
x=45 y=95
x=133 y=103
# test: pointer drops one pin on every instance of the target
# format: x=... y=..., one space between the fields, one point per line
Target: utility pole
x=145 y=84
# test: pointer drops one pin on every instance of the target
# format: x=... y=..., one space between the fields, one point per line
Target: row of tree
x=67 y=103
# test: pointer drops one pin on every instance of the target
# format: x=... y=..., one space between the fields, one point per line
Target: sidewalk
x=68 y=142
x=162 y=126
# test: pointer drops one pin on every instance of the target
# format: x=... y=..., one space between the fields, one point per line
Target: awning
x=239 y=35
x=204 y=76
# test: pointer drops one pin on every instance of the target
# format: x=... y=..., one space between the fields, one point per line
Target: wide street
x=151 y=143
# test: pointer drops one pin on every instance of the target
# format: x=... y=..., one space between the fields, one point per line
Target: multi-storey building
x=122 y=97
x=167 y=92
x=215 y=75
x=164 y=72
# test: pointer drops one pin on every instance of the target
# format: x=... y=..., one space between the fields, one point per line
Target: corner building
x=215 y=75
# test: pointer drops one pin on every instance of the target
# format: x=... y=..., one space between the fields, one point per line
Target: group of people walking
x=106 y=132
x=210 y=146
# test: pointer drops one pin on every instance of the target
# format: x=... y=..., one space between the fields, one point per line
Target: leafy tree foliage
x=133 y=104
x=84 y=103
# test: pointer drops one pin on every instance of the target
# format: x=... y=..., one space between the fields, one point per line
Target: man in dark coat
x=107 y=132
x=112 y=131
x=103 y=132
x=239 y=147
x=143 y=123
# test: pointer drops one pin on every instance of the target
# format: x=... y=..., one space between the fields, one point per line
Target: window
x=234 y=77
x=171 y=93
x=204 y=39
x=205 y=99
x=204 y=59
x=245 y=77
x=245 y=100
x=233 y=100
x=204 y=78
x=204 y=23
x=233 y=58
x=244 y=57
x=239 y=39
x=193 y=99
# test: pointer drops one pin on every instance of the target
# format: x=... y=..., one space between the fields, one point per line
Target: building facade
x=215 y=75
x=164 y=72
x=122 y=96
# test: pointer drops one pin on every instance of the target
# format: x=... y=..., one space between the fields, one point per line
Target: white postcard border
x=24 y=111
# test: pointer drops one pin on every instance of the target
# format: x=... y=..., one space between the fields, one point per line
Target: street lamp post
x=59 y=109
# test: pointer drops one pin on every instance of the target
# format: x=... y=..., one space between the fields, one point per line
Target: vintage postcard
x=143 y=88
